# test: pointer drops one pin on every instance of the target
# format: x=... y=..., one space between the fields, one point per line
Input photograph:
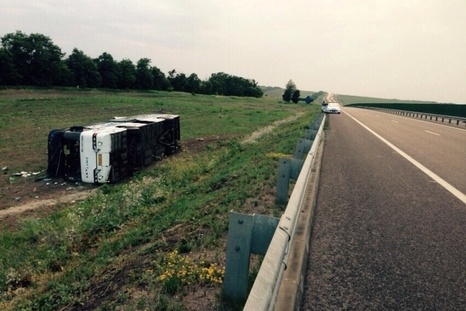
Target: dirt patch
x=19 y=192
x=39 y=200
x=267 y=129
x=198 y=144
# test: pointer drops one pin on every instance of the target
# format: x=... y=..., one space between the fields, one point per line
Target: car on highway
x=331 y=108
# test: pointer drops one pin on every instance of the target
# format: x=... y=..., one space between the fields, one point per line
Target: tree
x=126 y=74
x=37 y=61
x=63 y=76
x=287 y=95
x=178 y=81
x=160 y=80
x=218 y=82
x=194 y=83
x=228 y=85
x=206 y=87
x=295 y=96
x=253 y=90
x=289 y=89
x=108 y=70
x=144 y=77
x=34 y=60
x=83 y=70
x=9 y=74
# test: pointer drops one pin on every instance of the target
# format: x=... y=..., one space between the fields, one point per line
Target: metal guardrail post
x=287 y=169
x=302 y=148
x=283 y=181
x=290 y=168
x=247 y=234
x=310 y=134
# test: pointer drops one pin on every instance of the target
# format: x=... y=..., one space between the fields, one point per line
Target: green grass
x=110 y=251
x=27 y=118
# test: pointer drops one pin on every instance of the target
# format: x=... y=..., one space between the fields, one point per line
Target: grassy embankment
x=350 y=99
x=156 y=241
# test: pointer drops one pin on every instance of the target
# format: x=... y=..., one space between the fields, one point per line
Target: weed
x=177 y=270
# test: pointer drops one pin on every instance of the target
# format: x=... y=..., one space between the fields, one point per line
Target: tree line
x=34 y=60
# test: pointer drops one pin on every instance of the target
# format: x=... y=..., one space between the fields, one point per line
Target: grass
x=28 y=117
x=158 y=240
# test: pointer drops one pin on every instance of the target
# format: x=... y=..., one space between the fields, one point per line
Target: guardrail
x=422 y=115
x=267 y=283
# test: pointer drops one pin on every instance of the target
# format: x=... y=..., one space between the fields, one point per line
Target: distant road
x=387 y=235
x=440 y=148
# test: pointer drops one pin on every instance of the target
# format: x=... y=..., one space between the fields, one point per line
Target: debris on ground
x=25 y=174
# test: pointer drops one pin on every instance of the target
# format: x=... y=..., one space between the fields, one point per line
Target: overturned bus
x=107 y=152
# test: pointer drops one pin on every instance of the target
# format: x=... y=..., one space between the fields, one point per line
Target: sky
x=405 y=49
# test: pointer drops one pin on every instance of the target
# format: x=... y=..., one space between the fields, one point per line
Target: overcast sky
x=404 y=49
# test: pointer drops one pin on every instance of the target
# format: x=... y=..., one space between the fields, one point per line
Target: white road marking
x=431 y=132
x=429 y=173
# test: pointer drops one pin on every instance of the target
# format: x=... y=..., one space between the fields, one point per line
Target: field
x=277 y=92
x=350 y=99
x=155 y=241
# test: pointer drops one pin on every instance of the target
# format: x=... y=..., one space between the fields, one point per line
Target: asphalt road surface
x=389 y=233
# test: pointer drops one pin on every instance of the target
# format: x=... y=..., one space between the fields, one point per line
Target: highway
x=389 y=229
